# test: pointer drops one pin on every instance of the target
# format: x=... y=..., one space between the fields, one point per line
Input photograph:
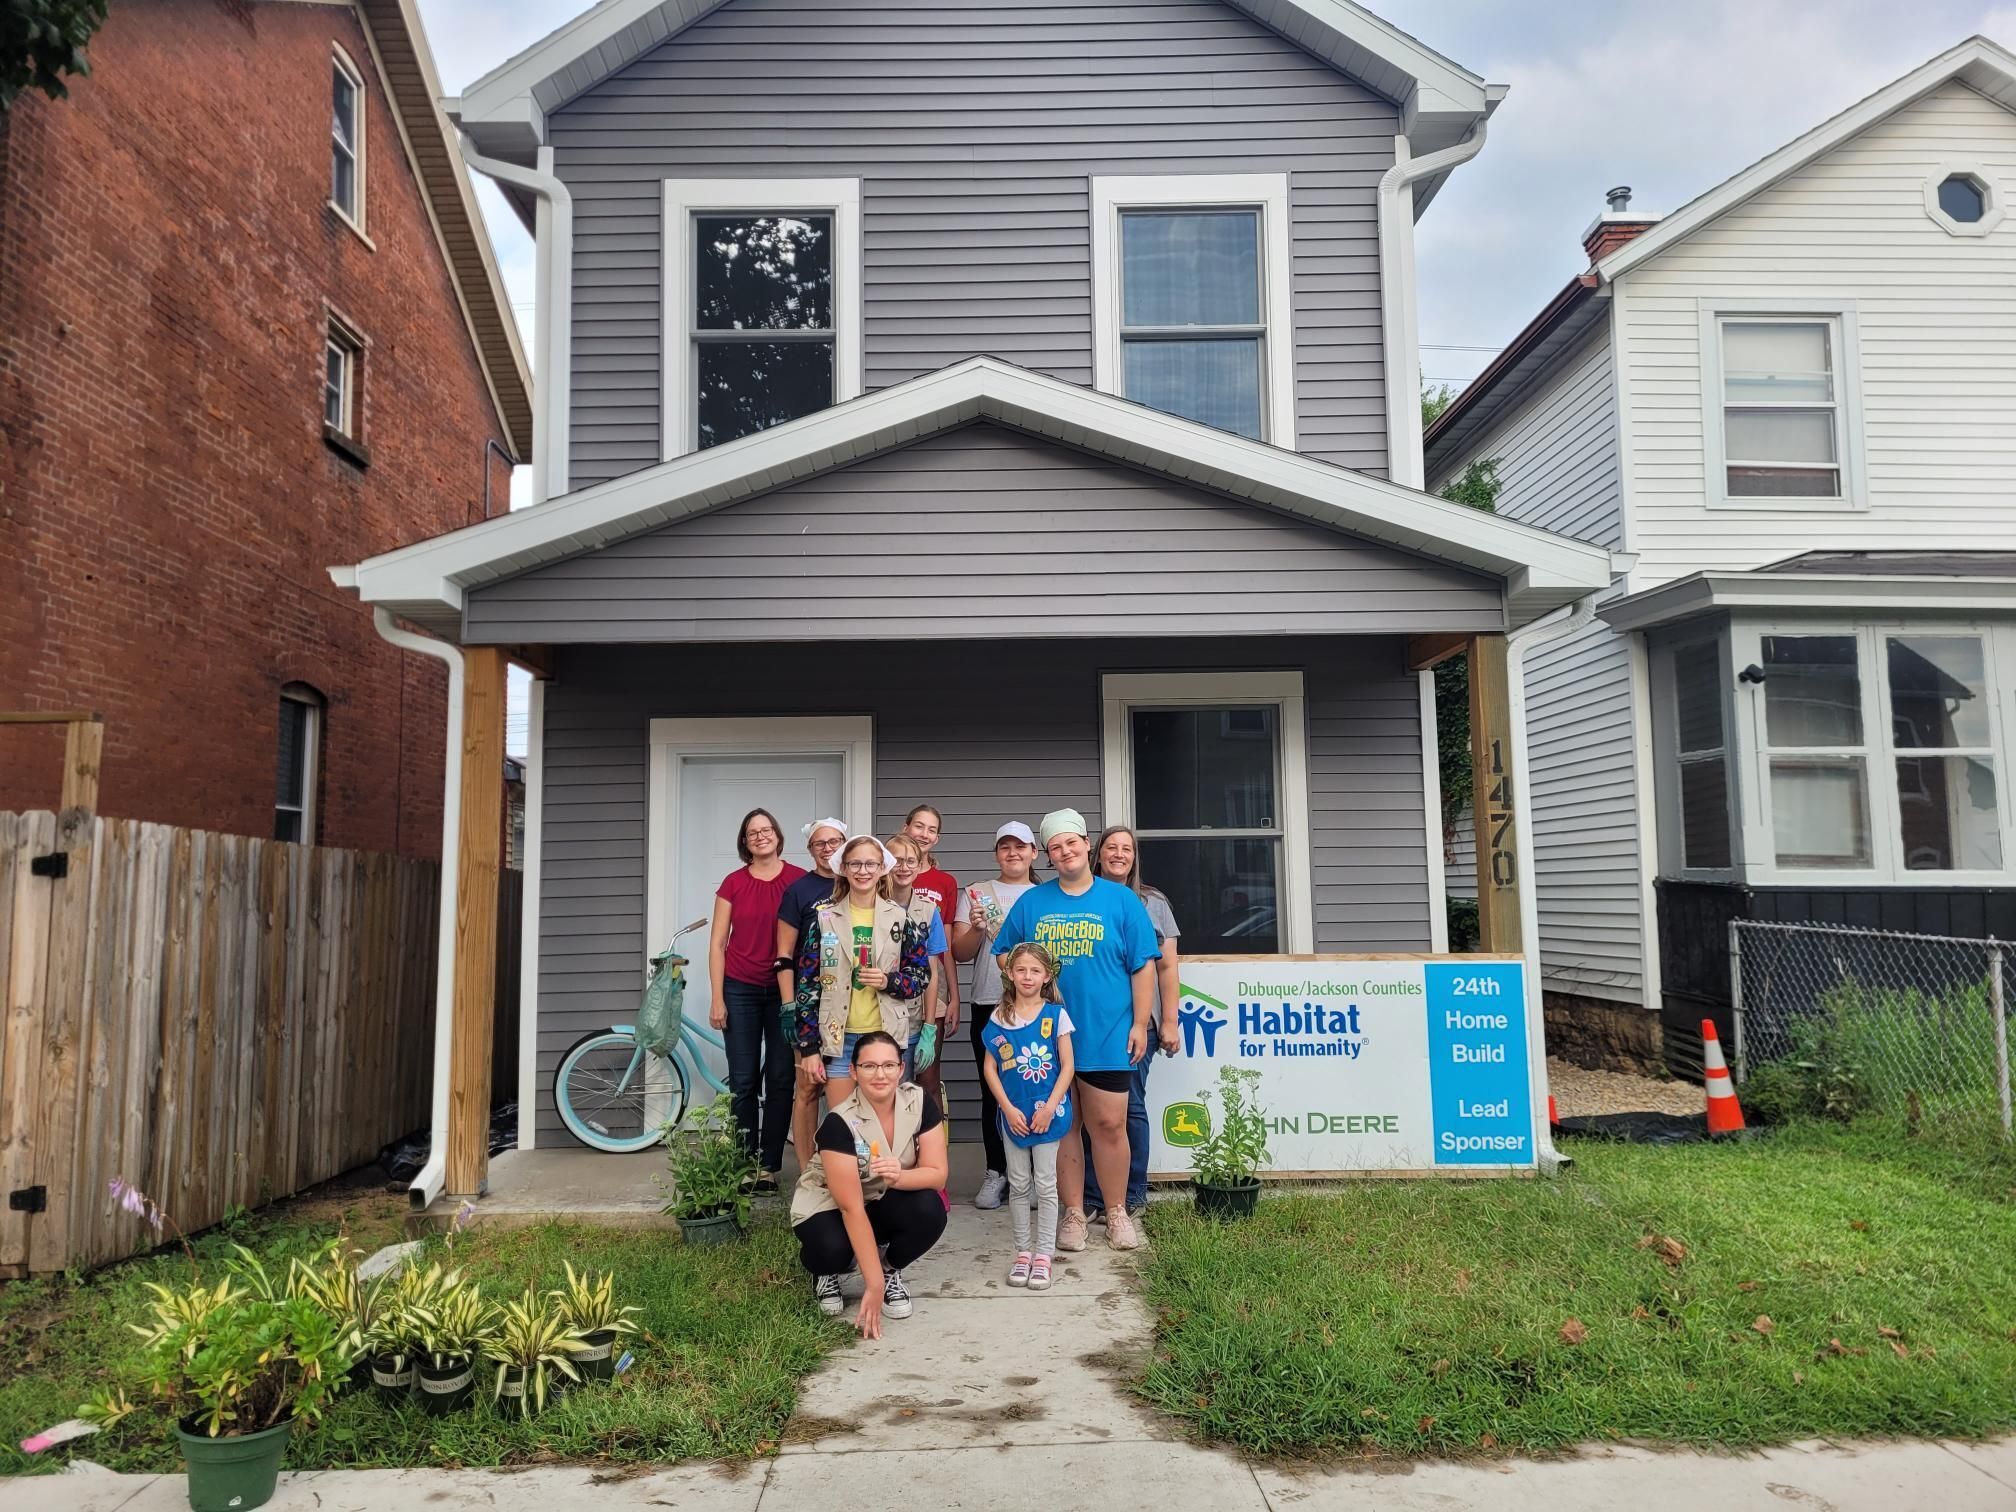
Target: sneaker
x=945 y=1199
x=1120 y=1232
x=766 y=1183
x=1096 y=1215
x=1018 y=1273
x=993 y=1187
x=1039 y=1273
x=826 y=1292
x=1071 y=1231
x=895 y=1295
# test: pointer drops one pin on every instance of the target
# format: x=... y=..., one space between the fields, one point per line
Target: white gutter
x=433 y=1175
x=1399 y=310
x=1565 y=621
x=553 y=319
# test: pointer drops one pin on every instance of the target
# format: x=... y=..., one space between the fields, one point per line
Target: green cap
x=1061 y=822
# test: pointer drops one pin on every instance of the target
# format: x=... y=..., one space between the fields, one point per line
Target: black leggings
x=908 y=1222
x=990 y=1110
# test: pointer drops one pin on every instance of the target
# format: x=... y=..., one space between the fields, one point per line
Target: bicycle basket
x=663 y=1014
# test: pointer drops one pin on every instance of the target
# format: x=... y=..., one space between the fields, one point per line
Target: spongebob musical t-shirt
x=1027 y=1058
x=1099 y=939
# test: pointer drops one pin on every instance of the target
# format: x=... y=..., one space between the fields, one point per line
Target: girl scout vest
x=1026 y=1060
x=811 y=1198
x=836 y=971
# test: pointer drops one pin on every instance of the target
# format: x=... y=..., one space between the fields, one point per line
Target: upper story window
x=1962 y=200
x=342 y=372
x=298 y=765
x=763 y=301
x=1191 y=299
x=1780 y=391
x=346 y=139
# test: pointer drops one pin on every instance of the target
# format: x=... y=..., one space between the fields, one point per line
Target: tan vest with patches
x=836 y=971
x=812 y=1198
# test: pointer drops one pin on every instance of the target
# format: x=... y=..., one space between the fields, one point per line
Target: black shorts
x=1108 y=1081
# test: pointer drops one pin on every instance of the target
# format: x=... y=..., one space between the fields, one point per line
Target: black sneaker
x=895 y=1295
x=766 y=1183
x=826 y=1292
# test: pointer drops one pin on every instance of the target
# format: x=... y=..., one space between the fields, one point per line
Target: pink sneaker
x=1120 y=1233
x=1018 y=1273
x=1039 y=1273
x=945 y=1198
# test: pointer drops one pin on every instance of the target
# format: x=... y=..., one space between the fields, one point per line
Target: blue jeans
x=1137 y=1143
x=759 y=1061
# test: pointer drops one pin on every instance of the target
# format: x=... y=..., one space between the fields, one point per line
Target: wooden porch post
x=1493 y=797
x=479 y=846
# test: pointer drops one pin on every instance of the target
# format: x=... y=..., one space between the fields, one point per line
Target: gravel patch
x=1580 y=1092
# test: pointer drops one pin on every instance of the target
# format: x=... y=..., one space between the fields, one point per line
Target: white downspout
x=1544 y=631
x=1399 y=309
x=433 y=1176
x=553 y=320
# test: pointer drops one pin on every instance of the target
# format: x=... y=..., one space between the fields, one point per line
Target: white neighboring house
x=1793 y=402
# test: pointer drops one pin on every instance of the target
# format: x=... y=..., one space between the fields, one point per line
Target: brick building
x=250 y=325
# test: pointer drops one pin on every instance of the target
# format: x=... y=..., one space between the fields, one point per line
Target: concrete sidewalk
x=993 y=1398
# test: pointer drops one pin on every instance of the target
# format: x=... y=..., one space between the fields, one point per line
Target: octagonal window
x=1963 y=198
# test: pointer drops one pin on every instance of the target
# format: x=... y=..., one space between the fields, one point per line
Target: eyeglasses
x=826 y=844
x=878 y=1065
x=864 y=865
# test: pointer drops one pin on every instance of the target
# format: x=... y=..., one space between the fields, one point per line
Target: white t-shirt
x=986 y=970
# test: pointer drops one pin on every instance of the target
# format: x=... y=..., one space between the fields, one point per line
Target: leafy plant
x=41 y=41
x=455 y=1322
x=329 y=1279
x=534 y=1336
x=234 y=1361
x=588 y=1304
x=406 y=1308
x=710 y=1170
x=1237 y=1147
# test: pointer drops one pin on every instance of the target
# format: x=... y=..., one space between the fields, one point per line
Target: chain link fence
x=1840 y=1022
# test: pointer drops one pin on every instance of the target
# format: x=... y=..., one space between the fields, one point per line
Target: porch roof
x=1941 y=583
x=427 y=582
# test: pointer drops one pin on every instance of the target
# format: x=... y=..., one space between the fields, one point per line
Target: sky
x=1667 y=96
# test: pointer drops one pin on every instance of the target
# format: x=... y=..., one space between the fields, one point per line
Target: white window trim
x=311 y=763
x=1268 y=192
x=338 y=332
x=1672 y=826
x=849 y=736
x=1849 y=449
x=1887 y=869
x=841 y=198
x=1121 y=691
x=1992 y=212
x=355 y=221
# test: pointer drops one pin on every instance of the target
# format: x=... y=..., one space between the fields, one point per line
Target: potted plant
x=403 y=1308
x=588 y=1307
x=711 y=1175
x=453 y=1328
x=239 y=1370
x=1225 y=1166
x=329 y=1279
x=534 y=1348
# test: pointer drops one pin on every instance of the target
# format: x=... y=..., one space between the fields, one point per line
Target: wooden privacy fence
x=218 y=1019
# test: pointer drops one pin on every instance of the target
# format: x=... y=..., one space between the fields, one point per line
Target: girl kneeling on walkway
x=874 y=1187
x=1028 y=1069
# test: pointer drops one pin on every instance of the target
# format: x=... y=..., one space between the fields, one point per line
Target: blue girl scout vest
x=1026 y=1061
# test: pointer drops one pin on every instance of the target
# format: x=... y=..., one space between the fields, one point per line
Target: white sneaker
x=993 y=1187
x=826 y=1291
x=895 y=1295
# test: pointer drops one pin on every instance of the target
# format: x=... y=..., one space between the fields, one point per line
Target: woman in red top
x=741 y=968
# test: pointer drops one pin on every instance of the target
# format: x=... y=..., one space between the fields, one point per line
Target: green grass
x=729 y=1331
x=1419 y=1317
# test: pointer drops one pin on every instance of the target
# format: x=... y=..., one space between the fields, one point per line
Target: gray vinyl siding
x=1558 y=460
x=974 y=127
x=1021 y=740
x=976 y=533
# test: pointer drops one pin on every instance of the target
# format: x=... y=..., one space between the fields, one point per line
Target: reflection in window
x=1813 y=706
x=345 y=92
x=763 y=328
x=1948 y=811
x=1224 y=892
x=1190 y=321
x=1704 y=766
x=297 y=758
x=1780 y=430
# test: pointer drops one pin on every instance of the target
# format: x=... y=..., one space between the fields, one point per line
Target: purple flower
x=136 y=1202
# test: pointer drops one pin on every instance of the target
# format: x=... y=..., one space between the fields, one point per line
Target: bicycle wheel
x=613 y=1097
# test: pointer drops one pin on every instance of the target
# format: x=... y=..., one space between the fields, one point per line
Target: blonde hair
x=1043 y=958
x=896 y=845
x=840 y=883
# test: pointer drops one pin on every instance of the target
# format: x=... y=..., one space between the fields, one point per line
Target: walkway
x=989 y=1398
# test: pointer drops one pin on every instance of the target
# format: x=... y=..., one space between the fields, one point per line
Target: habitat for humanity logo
x=1199 y=1022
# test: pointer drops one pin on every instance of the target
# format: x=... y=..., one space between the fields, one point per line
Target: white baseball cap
x=1014 y=829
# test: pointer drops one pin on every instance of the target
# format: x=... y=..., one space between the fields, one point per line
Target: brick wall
x=168 y=505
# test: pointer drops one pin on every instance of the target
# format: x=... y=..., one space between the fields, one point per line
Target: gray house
x=1002 y=409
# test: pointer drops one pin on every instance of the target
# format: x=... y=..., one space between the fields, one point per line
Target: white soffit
x=1977 y=63
x=426 y=582
x=505 y=111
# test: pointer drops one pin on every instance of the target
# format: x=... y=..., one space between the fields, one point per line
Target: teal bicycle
x=613 y=1094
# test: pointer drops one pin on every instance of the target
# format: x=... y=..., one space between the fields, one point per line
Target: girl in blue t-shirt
x=1028 y=1069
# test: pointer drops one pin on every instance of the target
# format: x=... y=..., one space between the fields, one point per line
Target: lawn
x=1816 y=1282
x=728 y=1333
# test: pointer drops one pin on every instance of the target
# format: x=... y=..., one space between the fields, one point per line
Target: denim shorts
x=843 y=1063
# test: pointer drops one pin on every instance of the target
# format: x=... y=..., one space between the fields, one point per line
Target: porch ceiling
x=426 y=583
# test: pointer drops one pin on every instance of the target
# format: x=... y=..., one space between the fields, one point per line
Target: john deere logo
x=1186 y=1123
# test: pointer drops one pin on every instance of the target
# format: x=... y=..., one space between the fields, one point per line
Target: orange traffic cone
x=1553 y=1116
x=1725 y=1113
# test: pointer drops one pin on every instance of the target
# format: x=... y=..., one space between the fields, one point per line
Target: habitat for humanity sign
x=1364 y=1065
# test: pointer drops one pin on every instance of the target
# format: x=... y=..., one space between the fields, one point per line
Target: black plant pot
x=1227 y=1201
x=392 y=1377
x=446 y=1389
x=515 y=1390
x=598 y=1361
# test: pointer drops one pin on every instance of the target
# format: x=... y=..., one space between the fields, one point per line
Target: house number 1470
x=1504 y=858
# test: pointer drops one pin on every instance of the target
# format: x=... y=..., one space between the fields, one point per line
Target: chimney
x=1615 y=226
